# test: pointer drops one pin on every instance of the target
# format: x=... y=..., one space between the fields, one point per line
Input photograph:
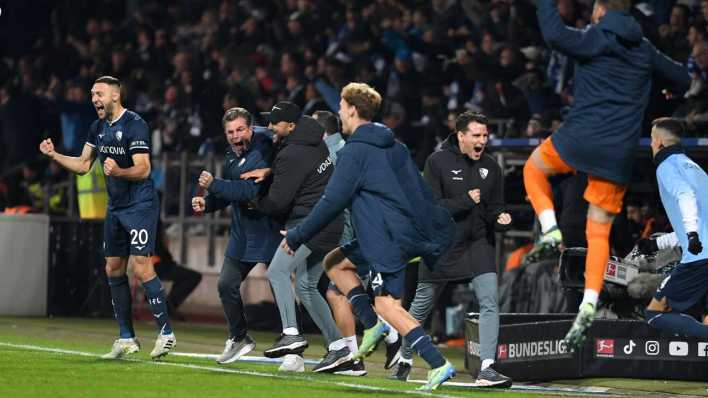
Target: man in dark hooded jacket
x=395 y=218
x=614 y=67
x=301 y=169
x=468 y=183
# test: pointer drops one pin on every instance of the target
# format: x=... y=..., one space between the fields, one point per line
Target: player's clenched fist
x=47 y=147
x=205 y=179
x=198 y=204
x=110 y=167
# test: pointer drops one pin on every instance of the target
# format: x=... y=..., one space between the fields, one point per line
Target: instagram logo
x=651 y=347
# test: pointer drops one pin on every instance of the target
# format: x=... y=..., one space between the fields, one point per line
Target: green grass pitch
x=41 y=357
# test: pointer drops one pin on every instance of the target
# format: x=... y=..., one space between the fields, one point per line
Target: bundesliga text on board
x=533 y=350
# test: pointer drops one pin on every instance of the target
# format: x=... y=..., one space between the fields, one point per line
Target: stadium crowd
x=183 y=63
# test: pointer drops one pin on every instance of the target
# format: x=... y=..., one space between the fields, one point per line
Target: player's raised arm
x=79 y=165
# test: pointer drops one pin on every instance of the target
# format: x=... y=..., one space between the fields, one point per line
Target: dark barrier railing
x=77 y=279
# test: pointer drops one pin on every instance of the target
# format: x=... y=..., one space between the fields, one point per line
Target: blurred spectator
x=672 y=37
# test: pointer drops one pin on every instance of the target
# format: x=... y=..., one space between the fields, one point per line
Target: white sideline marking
x=245 y=358
x=528 y=387
x=231 y=370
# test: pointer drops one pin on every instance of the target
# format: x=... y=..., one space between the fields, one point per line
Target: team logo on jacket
x=119 y=135
x=483 y=172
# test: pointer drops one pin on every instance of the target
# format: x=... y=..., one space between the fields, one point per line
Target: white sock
x=337 y=345
x=392 y=336
x=590 y=296
x=290 y=332
x=350 y=341
x=405 y=360
x=547 y=218
x=487 y=363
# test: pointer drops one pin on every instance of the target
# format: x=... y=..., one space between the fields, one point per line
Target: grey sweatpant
x=308 y=270
x=485 y=289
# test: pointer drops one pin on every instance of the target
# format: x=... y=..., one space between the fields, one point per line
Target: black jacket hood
x=307 y=132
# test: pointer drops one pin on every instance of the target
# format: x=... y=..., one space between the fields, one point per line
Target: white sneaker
x=292 y=363
x=122 y=347
x=163 y=345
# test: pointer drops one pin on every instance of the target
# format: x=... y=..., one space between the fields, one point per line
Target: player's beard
x=108 y=109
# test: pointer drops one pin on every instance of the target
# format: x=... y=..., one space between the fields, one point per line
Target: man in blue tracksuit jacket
x=614 y=65
x=682 y=187
x=395 y=218
x=253 y=236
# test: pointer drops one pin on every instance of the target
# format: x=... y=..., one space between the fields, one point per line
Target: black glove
x=694 y=243
x=647 y=246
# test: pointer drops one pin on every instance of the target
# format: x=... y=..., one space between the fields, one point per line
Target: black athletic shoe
x=491 y=378
x=393 y=353
x=350 y=368
x=286 y=345
x=333 y=359
x=401 y=372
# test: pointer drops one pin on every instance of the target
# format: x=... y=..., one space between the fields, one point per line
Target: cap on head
x=284 y=111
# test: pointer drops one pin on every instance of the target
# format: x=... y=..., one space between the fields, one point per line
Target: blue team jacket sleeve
x=212 y=204
x=139 y=137
x=342 y=186
x=670 y=69
x=575 y=43
x=237 y=190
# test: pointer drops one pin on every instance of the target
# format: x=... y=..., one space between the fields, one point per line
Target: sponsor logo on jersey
x=456 y=172
x=112 y=150
x=138 y=143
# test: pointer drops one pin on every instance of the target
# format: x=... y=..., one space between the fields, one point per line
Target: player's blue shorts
x=383 y=282
x=131 y=231
x=686 y=286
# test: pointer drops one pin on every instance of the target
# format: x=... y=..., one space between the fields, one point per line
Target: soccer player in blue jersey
x=121 y=140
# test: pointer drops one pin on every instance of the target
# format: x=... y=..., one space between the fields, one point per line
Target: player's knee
x=115 y=267
x=599 y=215
x=228 y=286
x=306 y=288
x=143 y=268
x=274 y=273
x=332 y=296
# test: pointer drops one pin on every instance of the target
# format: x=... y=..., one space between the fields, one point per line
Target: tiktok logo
x=629 y=348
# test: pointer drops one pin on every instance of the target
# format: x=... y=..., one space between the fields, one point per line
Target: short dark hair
x=232 y=114
x=467 y=117
x=110 y=80
x=673 y=126
x=328 y=120
x=615 y=5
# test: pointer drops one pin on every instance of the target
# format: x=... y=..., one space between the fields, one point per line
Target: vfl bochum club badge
x=483 y=172
x=119 y=135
